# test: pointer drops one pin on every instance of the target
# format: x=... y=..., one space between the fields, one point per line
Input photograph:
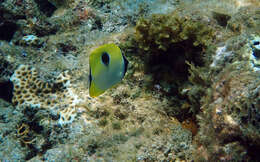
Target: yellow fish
x=107 y=67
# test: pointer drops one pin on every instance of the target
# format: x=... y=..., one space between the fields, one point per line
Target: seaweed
x=169 y=45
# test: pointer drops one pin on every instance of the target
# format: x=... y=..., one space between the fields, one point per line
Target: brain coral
x=57 y=95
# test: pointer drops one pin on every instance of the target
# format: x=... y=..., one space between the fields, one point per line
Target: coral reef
x=246 y=20
x=231 y=117
x=156 y=38
x=6 y=70
x=171 y=40
x=167 y=44
x=10 y=148
x=191 y=91
x=6 y=86
x=255 y=52
x=230 y=110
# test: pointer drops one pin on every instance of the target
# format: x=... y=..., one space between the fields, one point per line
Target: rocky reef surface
x=191 y=92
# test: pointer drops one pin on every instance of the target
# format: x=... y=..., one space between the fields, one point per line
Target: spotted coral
x=31 y=90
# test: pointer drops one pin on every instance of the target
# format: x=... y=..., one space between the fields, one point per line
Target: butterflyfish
x=107 y=67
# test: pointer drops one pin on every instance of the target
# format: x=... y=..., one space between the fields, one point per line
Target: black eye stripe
x=105 y=58
x=90 y=76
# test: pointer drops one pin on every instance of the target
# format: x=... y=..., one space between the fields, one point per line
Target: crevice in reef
x=6 y=91
x=173 y=61
x=46 y=7
x=7 y=30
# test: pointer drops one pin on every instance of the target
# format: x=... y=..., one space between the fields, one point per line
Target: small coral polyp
x=31 y=90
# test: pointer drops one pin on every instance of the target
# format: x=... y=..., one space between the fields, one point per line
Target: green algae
x=116 y=125
x=168 y=46
x=160 y=32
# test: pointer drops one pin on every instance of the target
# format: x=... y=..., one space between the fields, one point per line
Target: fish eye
x=105 y=58
x=256 y=43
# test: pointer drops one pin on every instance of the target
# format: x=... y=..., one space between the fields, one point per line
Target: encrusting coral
x=30 y=90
